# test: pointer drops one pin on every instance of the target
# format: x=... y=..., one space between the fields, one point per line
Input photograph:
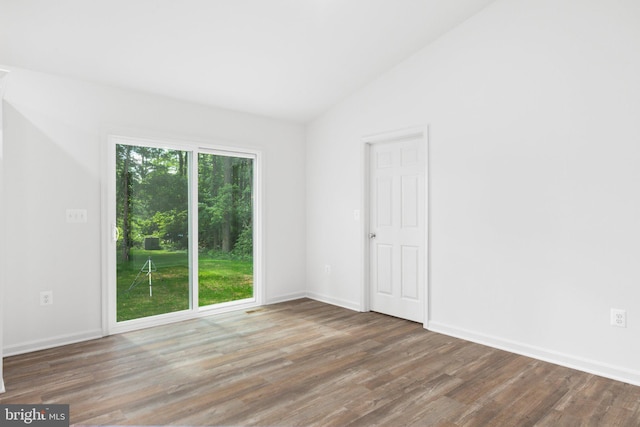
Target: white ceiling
x=287 y=59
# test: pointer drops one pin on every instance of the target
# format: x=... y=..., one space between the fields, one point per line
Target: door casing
x=422 y=133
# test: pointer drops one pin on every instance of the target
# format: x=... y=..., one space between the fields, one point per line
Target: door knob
x=372 y=235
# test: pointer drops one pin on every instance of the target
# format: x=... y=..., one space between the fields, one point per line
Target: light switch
x=76 y=215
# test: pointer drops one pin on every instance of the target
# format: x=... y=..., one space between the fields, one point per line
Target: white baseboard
x=314 y=296
x=28 y=347
x=569 y=361
x=286 y=297
x=334 y=301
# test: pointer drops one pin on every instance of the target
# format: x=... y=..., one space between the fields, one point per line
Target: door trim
x=421 y=132
x=3 y=245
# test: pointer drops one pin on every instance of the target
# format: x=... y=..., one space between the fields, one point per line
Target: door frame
x=3 y=245
x=422 y=133
x=193 y=147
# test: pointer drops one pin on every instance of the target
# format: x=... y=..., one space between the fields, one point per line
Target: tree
x=153 y=199
x=127 y=182
x=226 y=225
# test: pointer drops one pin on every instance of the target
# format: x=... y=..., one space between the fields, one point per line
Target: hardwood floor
x=305 y=363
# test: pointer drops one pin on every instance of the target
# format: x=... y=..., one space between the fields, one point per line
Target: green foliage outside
x=220 y=280
x=152 y=195
x=152 y=198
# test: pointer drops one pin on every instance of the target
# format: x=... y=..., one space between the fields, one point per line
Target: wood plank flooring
x=305 y=363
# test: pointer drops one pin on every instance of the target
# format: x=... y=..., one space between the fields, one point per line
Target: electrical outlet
x=46 y=297
x=618 y=318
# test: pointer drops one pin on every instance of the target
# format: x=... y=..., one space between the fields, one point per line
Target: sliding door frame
x=109 y=246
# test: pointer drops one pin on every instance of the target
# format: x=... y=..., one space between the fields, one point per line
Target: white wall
x=54 y=131
x=534 y=108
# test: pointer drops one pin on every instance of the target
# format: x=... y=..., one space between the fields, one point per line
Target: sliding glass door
x=160 y=268
x=152 y=218
x=225 y=229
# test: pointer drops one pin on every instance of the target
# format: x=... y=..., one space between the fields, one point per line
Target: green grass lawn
x=219 y=280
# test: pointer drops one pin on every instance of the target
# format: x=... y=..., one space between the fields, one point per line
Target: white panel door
x=397 y=228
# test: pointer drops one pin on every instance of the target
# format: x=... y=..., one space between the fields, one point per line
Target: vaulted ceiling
x=287 y=59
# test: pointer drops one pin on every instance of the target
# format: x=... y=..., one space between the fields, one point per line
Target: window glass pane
x=225 y=229
x=152 y=198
